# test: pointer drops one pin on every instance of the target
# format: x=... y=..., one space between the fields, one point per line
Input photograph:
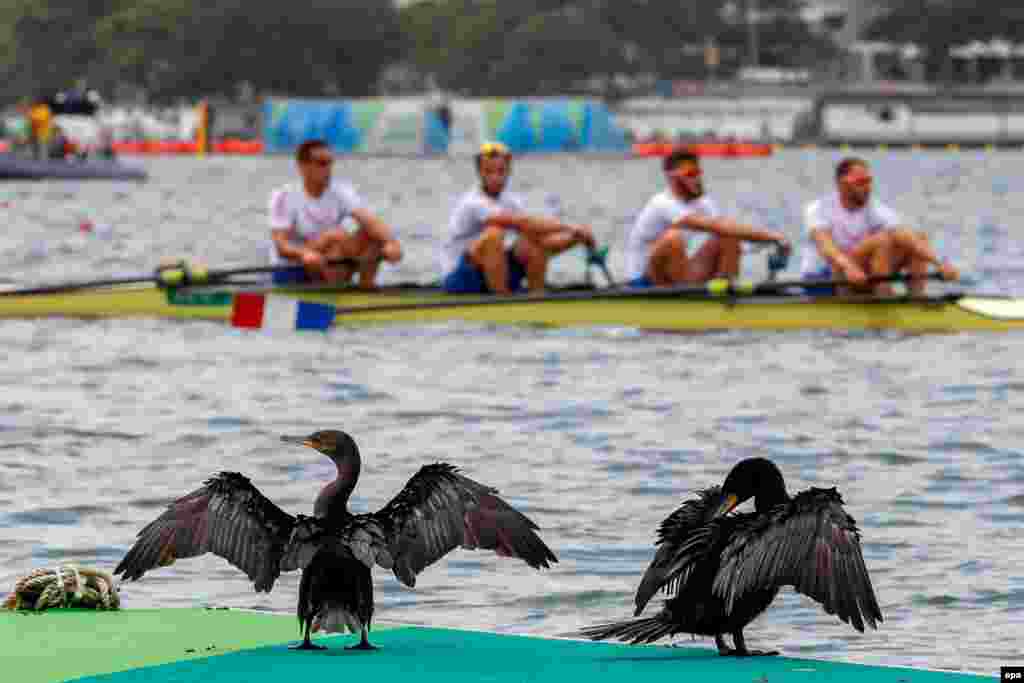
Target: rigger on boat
x=717 y=305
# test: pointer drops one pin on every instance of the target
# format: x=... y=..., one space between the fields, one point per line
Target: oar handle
x=727 y=288
x=183 y=274
x=778 y=260
x=598 y=256
x=168 y=276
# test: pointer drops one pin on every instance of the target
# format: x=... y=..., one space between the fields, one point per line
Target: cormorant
x=725 y=569
x=438 y=510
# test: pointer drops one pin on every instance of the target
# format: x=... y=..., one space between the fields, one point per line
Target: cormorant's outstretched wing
x=810 y=543
x=437 y=511
x=683 y=537
x=229 y=517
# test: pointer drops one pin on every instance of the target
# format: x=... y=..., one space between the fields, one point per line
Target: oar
x=598 y=256
x=178 y=276
x=778 y=260
x=712 y=289
x=723 y=287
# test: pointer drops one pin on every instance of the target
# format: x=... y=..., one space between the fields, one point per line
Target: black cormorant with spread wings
x=722 y=570
x=438 y=510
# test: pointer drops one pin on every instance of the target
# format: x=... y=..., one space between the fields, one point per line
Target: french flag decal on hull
x=269 y=312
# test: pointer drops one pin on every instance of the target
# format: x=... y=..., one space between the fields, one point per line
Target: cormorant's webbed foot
x=729 y=652
x=723 y=649
x=364 y=642
x=741 y=648
x=307 y=644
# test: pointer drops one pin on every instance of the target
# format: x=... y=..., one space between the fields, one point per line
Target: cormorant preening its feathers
x=437 y=511
x=722 y=570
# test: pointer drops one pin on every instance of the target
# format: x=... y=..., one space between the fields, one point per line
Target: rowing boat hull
x=635 y=311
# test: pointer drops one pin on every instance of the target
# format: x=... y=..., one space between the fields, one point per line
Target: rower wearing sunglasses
x=681 y=237
x=306 y=224
x=474 y=258
x=855 y=237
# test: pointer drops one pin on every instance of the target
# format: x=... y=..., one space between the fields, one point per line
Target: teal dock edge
x=185 y=645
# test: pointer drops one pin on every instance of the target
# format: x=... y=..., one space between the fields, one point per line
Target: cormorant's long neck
x=348 y=477
x=766 y=500
x=332 y=502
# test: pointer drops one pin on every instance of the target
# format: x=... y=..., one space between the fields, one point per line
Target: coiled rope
x=64 y=586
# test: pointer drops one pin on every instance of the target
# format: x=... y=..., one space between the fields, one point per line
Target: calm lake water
x=596 y=434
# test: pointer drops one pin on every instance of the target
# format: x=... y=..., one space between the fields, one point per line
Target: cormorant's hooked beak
x=302 y=440
x=727 y=506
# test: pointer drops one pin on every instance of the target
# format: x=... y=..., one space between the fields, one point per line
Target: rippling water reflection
x=597 y=434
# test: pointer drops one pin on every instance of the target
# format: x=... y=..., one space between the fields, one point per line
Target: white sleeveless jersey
x=468 y=220
x=849 y=228
x=661 y=211
x=291 y=208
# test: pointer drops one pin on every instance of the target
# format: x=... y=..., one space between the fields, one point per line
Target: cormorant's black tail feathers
x=634 y=631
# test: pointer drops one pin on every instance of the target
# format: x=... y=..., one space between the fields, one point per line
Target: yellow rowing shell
x=593 y=309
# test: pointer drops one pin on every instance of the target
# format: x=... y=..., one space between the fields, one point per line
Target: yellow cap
x=494 y=149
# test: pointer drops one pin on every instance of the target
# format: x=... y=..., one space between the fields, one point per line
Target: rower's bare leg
x=368 y=252
x=919 y=251
x=668 y=263
x=314 y=270
x=556 y=243
x=729 y=255
x=717 y=257
x=904 y=260
x=319 y=244
x=534 y=257
x=364 y=642
x=882 y=266
x=875 y=257
x=919 y=270
x=334 y=245
x=487 y=252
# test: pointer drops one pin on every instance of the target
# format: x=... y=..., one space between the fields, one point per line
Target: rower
x=857 y=237
x=306 y=226
x=665 y=246
x=474 y=259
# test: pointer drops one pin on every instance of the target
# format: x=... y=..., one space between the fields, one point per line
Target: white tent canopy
x=997 y=48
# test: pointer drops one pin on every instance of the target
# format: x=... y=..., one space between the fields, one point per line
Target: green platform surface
x=179 y=645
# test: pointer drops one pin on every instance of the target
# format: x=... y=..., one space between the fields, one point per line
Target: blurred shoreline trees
x=937 y=26
x=186 y=48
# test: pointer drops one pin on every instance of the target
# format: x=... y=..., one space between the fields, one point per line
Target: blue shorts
x=641 y=282
x=291 y=276
x=468 y=279
x=823 y=273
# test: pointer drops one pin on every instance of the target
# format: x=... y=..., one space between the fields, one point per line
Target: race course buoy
x=64 y=586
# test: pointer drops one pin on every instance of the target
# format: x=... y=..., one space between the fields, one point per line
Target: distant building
x=844 y=20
